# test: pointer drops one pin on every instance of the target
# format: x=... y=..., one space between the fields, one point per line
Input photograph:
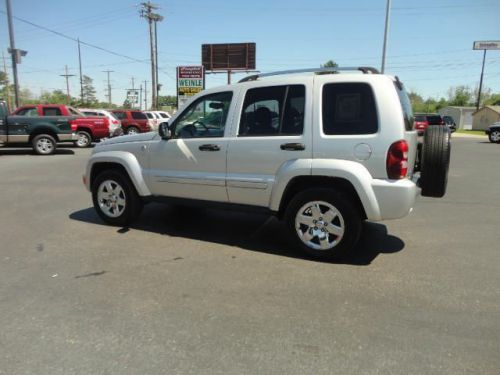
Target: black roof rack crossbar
x=364 y=69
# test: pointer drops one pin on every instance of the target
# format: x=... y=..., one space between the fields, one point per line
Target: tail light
x=73 y=125
x=116 y=122
x=397 y=160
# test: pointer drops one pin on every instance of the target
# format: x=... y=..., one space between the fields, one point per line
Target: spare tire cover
x=435 y=161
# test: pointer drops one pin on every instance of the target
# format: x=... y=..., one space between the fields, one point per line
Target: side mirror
x=164 y=131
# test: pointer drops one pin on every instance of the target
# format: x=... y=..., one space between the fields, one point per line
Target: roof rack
x=330 y=70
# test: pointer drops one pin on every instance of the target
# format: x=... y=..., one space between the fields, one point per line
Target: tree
x=167 y=100
x=54 y=97
x=460 y=96
x=89 y=98
x=330 y=64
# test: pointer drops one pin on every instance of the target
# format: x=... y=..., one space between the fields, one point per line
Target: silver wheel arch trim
x=353 y=172
x=127 y=160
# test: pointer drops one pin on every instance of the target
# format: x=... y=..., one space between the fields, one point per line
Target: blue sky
x=429 y=47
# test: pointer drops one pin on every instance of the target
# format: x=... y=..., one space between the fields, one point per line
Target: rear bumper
x=395 y=198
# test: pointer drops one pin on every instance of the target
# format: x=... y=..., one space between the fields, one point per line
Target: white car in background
x=164 y=115
x=115 y=125
x=154 y=119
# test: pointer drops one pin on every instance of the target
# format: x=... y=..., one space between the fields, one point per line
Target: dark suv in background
x=133 y=122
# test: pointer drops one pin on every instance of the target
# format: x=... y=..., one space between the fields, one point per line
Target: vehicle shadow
x=27 y=151
x=248 y=231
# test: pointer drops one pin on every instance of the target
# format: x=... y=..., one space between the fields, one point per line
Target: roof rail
x=330 y=70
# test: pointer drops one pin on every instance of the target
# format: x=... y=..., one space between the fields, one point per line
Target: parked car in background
x=88 y=129
x=493 y=132
x=423 y=120
x=154 y=119
x=164 y=115
x=41 y=132
x=115 y=126
x=448 y=120
x=133 y=121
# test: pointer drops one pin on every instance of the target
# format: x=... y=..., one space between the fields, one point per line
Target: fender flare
x=355 y=173
x=125 y=159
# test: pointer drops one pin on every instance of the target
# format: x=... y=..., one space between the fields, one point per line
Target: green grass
x=471 y=132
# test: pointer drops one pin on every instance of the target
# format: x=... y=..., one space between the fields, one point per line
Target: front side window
x=204 y=118
x=87 y=113
x=349 y=108
x=276 y=110
x=29 y=111
x=138 y=115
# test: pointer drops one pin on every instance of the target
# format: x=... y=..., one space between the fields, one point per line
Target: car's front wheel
x=325 y=223
x=494 y=136
x=115 y=198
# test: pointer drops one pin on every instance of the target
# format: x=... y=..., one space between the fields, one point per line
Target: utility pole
x=15 y=53
x=109 y=85
x=68 y=97
x=478 y=103
x=153 y=18
x=140 y=96
x=145 y=95
x=386 y=32
x=7 y=91
x=133 y=81
x=80 y=66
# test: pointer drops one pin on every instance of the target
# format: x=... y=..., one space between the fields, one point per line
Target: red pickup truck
x=87 y=128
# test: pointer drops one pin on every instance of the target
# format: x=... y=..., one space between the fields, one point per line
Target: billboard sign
x=232 y=56
x=487 y=44
x=190 y=81
x=133 y=97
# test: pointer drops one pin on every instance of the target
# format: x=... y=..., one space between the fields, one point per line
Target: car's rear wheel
x=494 y=136
x=323 y=222
x=435 y=161
x=84 y=139
x=115 y=198
x=132 y=130
x=44 y=144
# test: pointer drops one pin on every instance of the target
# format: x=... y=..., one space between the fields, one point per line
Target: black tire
x=133 y=130
x=494 y=136
x=126 y=194
x=435 y=161
x=84 y=139
x=348 y=218
x=44 y=144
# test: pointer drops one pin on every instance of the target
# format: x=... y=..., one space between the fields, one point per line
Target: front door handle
x=293 y=146
x=209 y=147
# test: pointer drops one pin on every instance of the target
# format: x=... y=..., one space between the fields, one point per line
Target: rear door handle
x=293 y=146
x=209 y=147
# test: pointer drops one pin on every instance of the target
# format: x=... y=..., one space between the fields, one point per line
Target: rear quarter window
x=406 y=106
x=349 y=108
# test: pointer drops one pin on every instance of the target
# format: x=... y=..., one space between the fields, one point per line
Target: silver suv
x=323 y=150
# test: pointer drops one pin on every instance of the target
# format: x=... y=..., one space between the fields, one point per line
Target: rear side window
x=138 y=116
x=349 y=108
x=406 y=106
x=277 y=110
x=87 y=113
x=51 y=111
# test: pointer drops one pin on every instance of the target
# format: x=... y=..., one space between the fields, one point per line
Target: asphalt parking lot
x=189 y=291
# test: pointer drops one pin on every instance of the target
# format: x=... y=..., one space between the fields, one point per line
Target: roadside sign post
x=484 y=45
x=133 y=98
